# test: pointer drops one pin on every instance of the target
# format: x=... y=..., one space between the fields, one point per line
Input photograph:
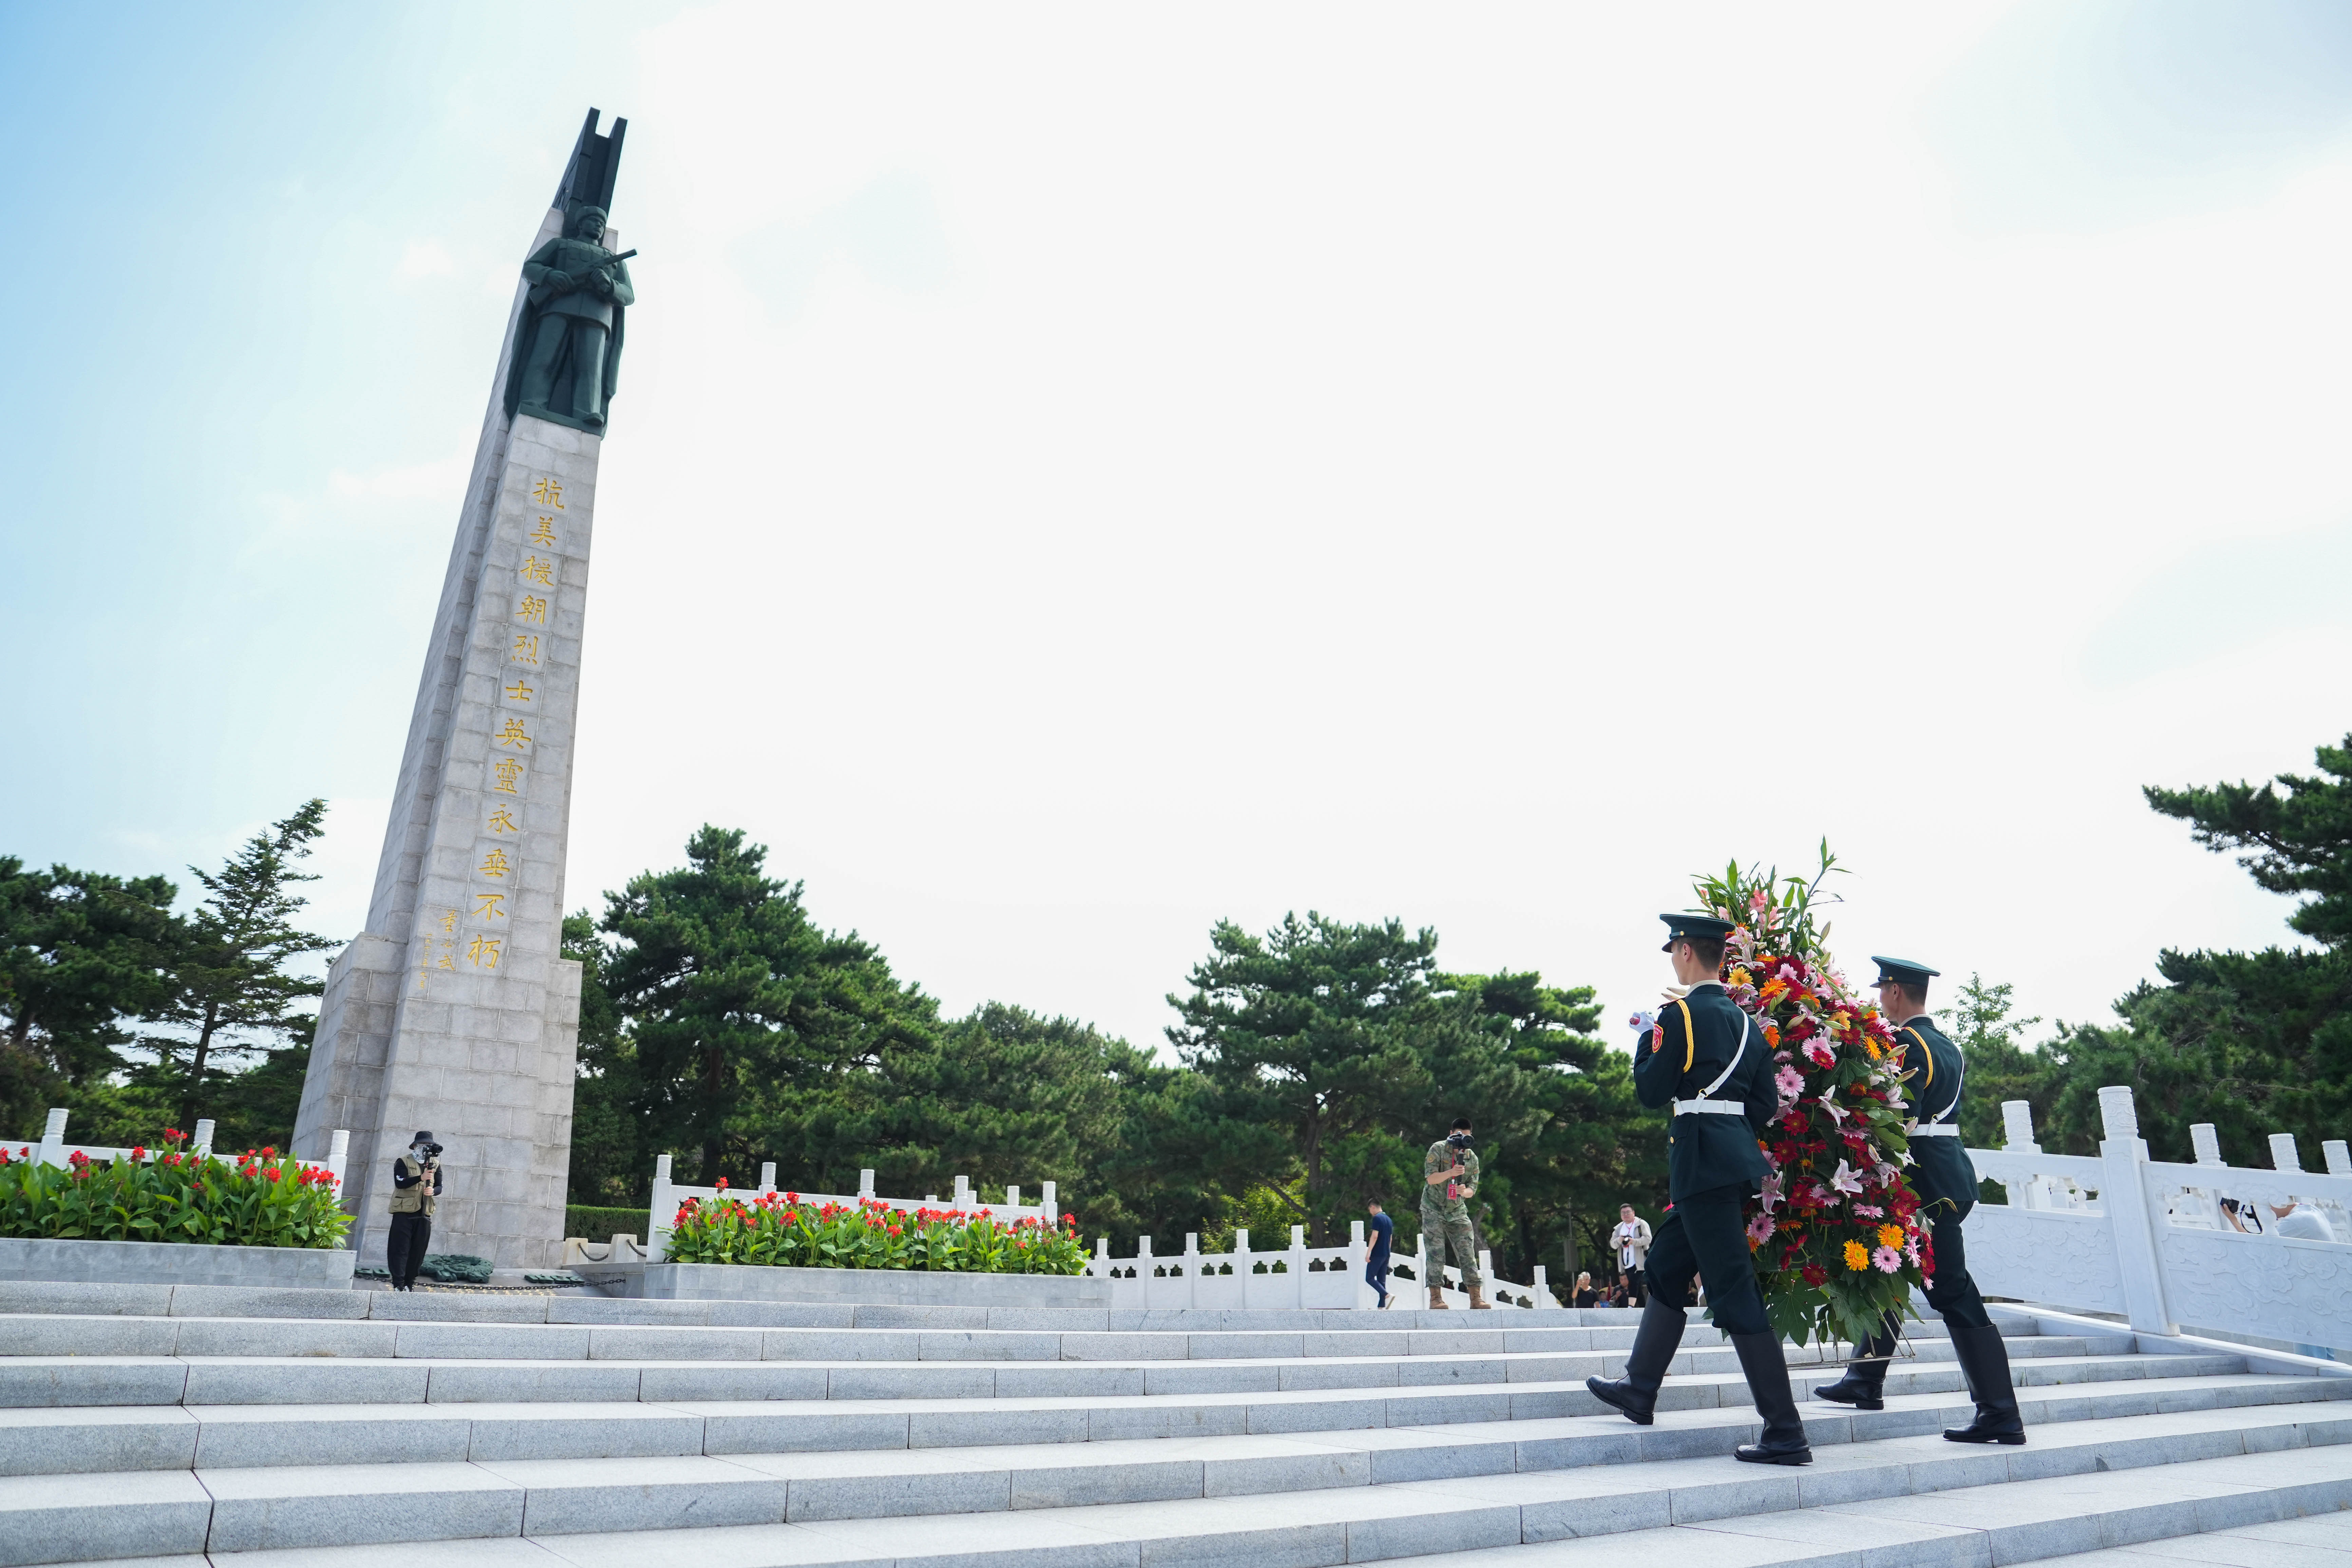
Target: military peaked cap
x=1902 y=972
x=1695 y=928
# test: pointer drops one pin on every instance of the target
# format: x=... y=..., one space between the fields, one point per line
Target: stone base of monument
x=173 y=1263
x=863 y=1286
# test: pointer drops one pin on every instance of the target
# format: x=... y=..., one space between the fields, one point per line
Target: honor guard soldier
x=415 y=1187
x=1934 y=1074
x=1707 y=1059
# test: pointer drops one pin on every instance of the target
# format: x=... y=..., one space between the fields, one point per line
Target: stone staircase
x=271 y=1429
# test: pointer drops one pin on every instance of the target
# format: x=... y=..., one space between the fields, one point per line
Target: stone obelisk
x=454 y=1011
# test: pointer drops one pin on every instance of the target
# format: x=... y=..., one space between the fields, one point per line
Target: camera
x=1457 y=1140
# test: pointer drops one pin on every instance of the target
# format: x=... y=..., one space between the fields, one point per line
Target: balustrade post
x=661 y=1213
x=2339 y=1158
x=1052 y=1205
x=52 y=1139
x=339 y=1151
x=962 y=1192
x=1297 y=1266
x=2206 y=1142
x=767 y=1176
x=1191 y=1269
x=1356 y=1250
x=865 y=1184
x=2285 y=1155
x=2017 y=1137
x=2124 y=1155
x=202 y=1144
x=1101 y=1265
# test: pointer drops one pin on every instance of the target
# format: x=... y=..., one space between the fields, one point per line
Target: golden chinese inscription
x=495 y=864
x=502 y=821
x=534 y=570
x=526 y=648
x=514 y=735
x=489 y=905
x=519 y=693
x=547 y=492
x=508 y=774
x=544 y=532
x=531 y=607
x=483 y=952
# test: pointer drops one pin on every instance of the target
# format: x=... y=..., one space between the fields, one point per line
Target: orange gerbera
x=1857 y=1257
x=1890 y=1235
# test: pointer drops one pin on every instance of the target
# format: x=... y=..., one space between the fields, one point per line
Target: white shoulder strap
x=1745 y=1023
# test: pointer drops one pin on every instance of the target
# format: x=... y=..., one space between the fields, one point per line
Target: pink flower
x=1792 y=1082
x=1870 y=1211
x=1818 y=1052
x=1759 y=1229
x=1887 y=1259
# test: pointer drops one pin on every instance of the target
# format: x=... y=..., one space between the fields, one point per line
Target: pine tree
x=79 y=954
x=231 y=993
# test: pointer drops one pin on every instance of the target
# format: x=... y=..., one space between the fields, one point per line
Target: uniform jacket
x=1434 y=1199
x=411 y=1193
x=1692 y=1043
x=1940 y=1169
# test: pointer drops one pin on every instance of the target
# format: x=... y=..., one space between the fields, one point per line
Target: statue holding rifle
x=568 y=347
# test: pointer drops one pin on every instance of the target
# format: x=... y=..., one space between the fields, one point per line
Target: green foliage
x=79 y=954
x=259 y=1200
x=2001 y=1066
x=231 y=995
x=753 y=1027
x=2296 y=830
x=780 y=1230
x=591 y=1223
x=612 y=1159
x=1329 y=1055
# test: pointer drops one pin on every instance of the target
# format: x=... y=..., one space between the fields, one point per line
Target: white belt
x=1936 y=1130
x=1710 y=1108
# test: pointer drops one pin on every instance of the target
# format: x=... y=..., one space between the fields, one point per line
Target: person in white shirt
x=1632 y=1240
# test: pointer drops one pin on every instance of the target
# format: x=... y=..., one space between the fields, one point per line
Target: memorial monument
x=454 y=1009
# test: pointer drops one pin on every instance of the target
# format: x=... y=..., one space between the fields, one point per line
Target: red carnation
x=1815 y=1275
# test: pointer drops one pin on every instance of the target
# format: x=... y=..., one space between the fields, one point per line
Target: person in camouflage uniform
x=1450 y=1178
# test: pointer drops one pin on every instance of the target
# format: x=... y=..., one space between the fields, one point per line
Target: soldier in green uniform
x=1705 y=1057
x=1946 y=1184
x=1449 y=1179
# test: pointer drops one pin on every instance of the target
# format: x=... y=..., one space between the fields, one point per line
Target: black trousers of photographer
x=403 y=1248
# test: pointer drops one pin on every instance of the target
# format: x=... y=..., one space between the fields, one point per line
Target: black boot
x=1984 y=1361
x=1864 y=1386
x=1654 y=1343
x=1768 y=1384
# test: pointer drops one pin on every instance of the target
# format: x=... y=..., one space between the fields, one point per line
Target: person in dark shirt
x=1378 y=1230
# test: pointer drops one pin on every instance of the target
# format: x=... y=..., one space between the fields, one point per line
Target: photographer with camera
x=416 y=1186
x=1450 y=1179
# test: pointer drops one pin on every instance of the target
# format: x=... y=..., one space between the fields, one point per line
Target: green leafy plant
x=259 y=1199
x=780 y=1230
x=1836 y=1234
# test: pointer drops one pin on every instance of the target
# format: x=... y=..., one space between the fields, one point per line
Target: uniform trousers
x=1705 y=1236
x=403 y=1248
x=1440 y=1232
x=1953 y=1295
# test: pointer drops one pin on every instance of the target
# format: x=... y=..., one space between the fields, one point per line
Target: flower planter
x=173 y=1263
x=882 y=1287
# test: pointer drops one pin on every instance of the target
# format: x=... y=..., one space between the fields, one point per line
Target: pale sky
x=1079 y=474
